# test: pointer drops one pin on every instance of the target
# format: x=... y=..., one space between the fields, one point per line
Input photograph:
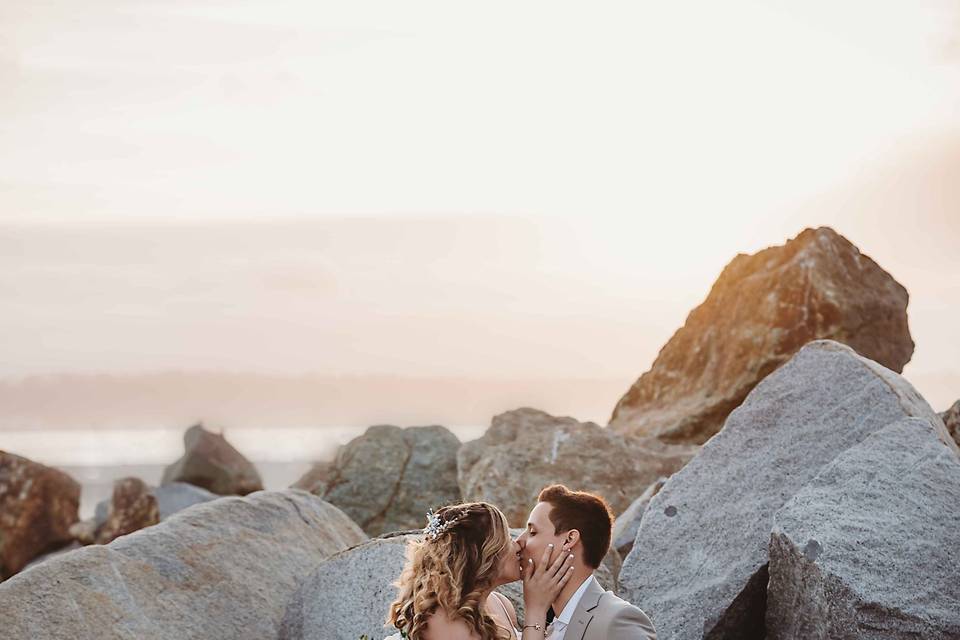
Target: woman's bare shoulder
x=441 y=627
x=505 y=602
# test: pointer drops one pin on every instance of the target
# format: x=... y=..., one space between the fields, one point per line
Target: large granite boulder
x=525 y=450
x=951 y=418
x=628 y=523
x=870 y=548
x=699 y=563
x=761 y=310
x=132 y=507
x=389 y=477
x=38 y=505
x=209 y=461
x=223 y=569
x=349 y=594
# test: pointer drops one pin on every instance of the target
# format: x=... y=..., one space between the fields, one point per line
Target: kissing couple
x=447 y=588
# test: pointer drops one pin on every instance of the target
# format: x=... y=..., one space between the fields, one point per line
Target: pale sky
x=537 y=188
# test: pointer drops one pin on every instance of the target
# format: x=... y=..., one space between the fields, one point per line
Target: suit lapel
x=582 y=615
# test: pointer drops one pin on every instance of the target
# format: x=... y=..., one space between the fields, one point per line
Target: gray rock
x=171 y=498
x=628 y=523
x=525 y=450
x=224 y=569
x=699 y=563
x=349 y=594
x=761 y=310
x=870 y=548
x=389 y=477
x=209 y=461
x=951 y=418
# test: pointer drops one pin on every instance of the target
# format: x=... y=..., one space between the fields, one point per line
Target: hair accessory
x=436 y=526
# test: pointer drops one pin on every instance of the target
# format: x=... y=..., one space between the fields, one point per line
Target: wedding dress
x=514 y=633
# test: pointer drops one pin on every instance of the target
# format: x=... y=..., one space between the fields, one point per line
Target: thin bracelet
x=534 y=626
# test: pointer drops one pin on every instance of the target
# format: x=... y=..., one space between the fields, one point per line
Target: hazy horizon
x=432 y=191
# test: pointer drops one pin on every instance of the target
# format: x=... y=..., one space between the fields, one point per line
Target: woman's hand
x=542 y=583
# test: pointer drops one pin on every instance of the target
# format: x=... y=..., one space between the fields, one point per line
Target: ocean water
x=96 y=457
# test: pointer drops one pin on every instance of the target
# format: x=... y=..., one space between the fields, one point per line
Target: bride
x=446 y=590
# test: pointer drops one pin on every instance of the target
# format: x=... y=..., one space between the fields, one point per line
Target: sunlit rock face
x=761 y=310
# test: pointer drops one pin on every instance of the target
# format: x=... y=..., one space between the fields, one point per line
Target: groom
x=581 y=523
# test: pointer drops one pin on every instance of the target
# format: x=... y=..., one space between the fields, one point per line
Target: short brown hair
x=587 y=513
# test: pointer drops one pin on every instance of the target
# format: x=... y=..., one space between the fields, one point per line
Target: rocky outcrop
x=38 y=505
x=132 y=508
x=224 y=569
x=209 y=461
x=951 y=418
x=699 y=563
x=628 y=523
x=349 y=594
x=171 y=498
x=389 y=477
x=525 y=450
x=761 y=310
x=871 y=546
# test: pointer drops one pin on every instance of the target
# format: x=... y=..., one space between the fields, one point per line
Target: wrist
x=534 y=615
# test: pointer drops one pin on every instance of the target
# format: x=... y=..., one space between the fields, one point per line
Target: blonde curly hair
x=453 y=572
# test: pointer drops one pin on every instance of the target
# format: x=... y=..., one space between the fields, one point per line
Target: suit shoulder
x=627 y=620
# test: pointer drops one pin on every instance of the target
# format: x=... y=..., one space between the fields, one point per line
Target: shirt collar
x=567 y=614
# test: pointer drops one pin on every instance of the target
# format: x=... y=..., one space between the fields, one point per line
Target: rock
x=349 y=594
x=628 y=522
x=132 y=508
x=38 y=505
x=171 y=498
x=761 y=310
x=53 y=554
x=223 y=569
x=870 y=548
x=85 y=531
x=525 y=450
x=212 y=463
x=389 y=477
x=699 y=563
x=951 y=418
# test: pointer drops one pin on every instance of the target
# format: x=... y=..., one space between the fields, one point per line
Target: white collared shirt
x=567 y=614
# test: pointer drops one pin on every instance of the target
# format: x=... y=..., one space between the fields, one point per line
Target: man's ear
x=571 y=538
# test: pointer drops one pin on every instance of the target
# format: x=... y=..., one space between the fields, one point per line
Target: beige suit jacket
x=601 y=615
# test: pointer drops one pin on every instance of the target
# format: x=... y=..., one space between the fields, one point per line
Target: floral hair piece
x=436 y=525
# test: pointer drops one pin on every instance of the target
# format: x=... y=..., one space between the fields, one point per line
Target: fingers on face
x=560 y=562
